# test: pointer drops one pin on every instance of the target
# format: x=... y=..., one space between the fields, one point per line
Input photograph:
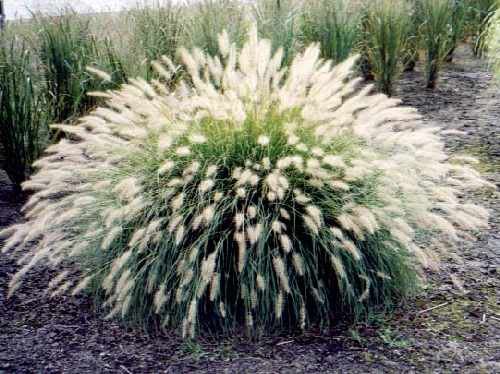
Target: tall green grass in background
x=159 y=27
x=279 y=21
x=411 y=55
x=435 y=35
x=66 y=48
x=478 y=13
x=493 y=42
x=334 y=24
x=458 y=23
x=208 y=18
x=387 y=29
x=23 y=115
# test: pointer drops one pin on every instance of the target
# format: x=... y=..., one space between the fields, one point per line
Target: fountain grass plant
x=250 y=195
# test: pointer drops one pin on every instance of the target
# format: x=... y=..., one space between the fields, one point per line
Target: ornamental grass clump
x=24 y=118
x=333 y=24
x=387 y=27
x=411 y=53
x=208 y=18
x=436 y=33
x=250 y=194
x=458 y=26
x=478 y=15
x=493 y=42
x=159 y=27
x=279 y=21
x=67 y=49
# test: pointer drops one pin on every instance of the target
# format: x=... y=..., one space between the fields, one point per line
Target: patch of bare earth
x=453 y=326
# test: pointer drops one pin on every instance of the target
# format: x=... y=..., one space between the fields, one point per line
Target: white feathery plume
x=115 y=268
x=183 y=151
x=208 y=214
x=218 y=196
x=261 y=283
x=206 y=185
x=197 y=138
x=207 y=272
x=239 y=220
x=338 y=266
x=277 y=226
x=137 y=237
x=211 y=171
x=214 y=286
x=279 y=268
x=83 y=284
x=165 y=141
x=110 y=237
x=263 y=140
x=286 y=243
x=239 y=237
x=315 y=214
x=298 y=263
x=179 y=234
x=311 y=224
x=366 y=292
x=177 y=202
x=167 y=166
x=252 y=211
x=284 y=213
x=349 y=246
x=254 y=233
x=100 y=74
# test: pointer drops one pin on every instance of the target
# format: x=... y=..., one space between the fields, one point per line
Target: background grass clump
x=478 y=15
x=158 y=29
x=279 y=21
x=67 y=48
x=247 y=194
x=209 y=18
x=436 y=34
x=387 y=28
x=493 y=42
x=335 y=25
x=23 y=119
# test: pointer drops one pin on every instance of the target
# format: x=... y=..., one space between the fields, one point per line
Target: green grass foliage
x=23 y=119
x=335 y=25
x=387 y=27
x=436 y=32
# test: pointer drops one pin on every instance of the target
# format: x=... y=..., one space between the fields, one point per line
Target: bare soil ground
x=453 y=326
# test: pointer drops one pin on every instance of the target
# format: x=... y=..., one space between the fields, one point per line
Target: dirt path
x=461 y=335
